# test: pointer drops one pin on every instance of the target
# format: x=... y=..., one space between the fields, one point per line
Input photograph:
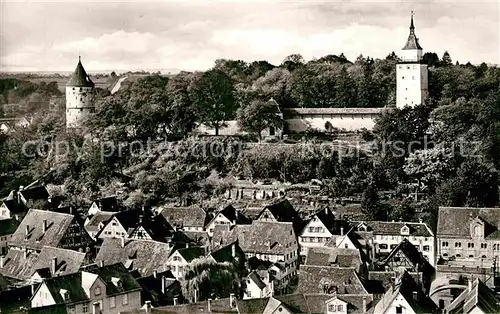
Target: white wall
x=348 y=122
x=219 y=220
x=42 y=297
x=113 y=229
x=79 y=103
x=412 y=84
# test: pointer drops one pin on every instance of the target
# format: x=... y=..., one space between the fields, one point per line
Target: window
x=331 y=308
x=444 y=244
x=471 y=255
x=484 y=256
x=484 y=245
x=249 y=293
x=458 y=255
x=71 y=309
x=176 y=258
x=311 y=229
x=112 y=302
x=399 y=309
x=458 y=244
x=340 y=308
x=426 y=248
x=125 y=299
x=412 y=77
x=85 y=308
x=97 y=291
x=383 y=246
x=319 y=229
x=393 y=246
x=470 y=245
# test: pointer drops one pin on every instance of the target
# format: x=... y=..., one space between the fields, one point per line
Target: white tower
x=79 y=97
x=411 y=72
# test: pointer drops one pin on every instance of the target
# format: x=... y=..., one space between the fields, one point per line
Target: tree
x=431 y=59
x=446 y=59
x=370 y=204
x=208 y=279
x=213 y=98
x=259 y=115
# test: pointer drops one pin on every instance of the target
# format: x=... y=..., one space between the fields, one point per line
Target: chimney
x=96 y=308
x=122 y=240
x=19 y=194
x=470 y=285
x=45 y=225
x=25 y=251
x=32 y=289
x=155 y=273
x=2 y=261
x=163 y=284
x=195 y=295
x=175 y=301
x=233 y=250
x=53 y=266
x=341 y=231
x=364 y=305
x=209 y=305
x=326 y=210
x=187 y=245
x=415 y=295
x=231 y=300
x=27 y=231
x=148 y=306
x=100 y=263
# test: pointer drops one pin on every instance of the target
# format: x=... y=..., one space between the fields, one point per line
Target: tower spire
x=412 y=26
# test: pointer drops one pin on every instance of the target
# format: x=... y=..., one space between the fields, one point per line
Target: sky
x=191 y=35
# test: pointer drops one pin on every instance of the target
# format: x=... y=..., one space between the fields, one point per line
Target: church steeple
x=412 y=42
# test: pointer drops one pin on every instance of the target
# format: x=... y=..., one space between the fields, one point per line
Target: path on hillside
x=118 y=84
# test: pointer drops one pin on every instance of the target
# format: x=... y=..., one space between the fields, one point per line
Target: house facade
x=381 y=237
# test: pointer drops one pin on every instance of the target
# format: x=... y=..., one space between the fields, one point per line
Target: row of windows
x=470 y=245
x=383 y=246
x=316 y=229
x=459 y=255
x=315 y=239
x=335 y=308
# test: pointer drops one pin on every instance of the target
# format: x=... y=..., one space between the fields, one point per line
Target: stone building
x=79 y=97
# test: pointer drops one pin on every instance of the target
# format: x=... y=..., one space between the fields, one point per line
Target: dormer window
x=117 y=282
x=64 y=294
x=405 y=230
x=97 y=291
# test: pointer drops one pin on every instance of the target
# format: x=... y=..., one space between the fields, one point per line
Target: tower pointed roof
x=80 y=78
x=412 y=42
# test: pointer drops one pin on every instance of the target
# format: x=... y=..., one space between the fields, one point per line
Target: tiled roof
x=158 y=228
x=108 y=204
x=152 y=288
x=142 y=255
x=333 y=256
x=15 y=207
x=35 y=193
x=252 y=306
x=71 y=283
x=332 y=111
x=315 y=279
x=217 y=306
x=17 y=266
x=455 y=221
x=317 y=302
x=8 y=226
x=333 y=225
x=283 y=211
x=477 y=295
x=190 y=253
x=406 y=286
x=68 y=261
x=394 y=228
x=108 y=272
x=255 y=278
x=233 y=215
x=263 y=237
x=57 y=224
x=185 y=216
x=80 y=78
x=97 y=219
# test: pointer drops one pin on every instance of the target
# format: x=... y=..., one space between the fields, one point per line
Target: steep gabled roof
x=57 y=224
x=68 y=261
x=35 y=193
x=455 y=221
x=418 y=229
x=108 y=204
x=232 y=215
x=190 y=253
x=158 y=228
x=410 y=251
x=80 y=78
x=107 y=273
x=477 y=295
x=15 y=207
x=18 y=265
x=185 y=216
x=408 y=288
x=322 y=279
x=283 y=211
x=142 y=255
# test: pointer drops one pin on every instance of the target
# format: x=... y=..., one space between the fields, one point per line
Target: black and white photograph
x=249 y=156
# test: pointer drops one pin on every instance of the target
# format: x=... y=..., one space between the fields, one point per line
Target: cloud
x=191 y=35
